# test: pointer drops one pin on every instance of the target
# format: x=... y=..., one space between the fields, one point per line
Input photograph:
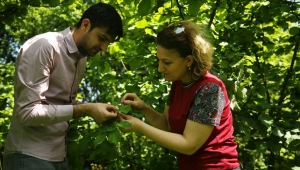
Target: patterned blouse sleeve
x=208 y=105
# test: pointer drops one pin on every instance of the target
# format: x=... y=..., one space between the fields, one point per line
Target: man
x=49 y=68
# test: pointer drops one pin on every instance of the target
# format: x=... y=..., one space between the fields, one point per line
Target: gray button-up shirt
x=48 y=71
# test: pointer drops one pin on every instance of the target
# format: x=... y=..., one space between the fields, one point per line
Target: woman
x=197 y=121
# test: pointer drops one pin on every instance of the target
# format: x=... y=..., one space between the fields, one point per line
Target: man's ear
x=189 y=60
x=85 y=25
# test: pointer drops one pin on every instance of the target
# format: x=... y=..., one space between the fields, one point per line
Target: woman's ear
x=189 y=60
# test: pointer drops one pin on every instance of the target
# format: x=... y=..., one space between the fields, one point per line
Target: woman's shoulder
x=210 y=78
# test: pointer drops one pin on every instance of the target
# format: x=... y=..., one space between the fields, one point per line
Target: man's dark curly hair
x=104 y=15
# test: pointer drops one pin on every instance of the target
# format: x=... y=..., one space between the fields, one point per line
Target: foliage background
x=257 y=56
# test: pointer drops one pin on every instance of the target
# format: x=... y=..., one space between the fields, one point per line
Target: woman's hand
x=134 y=101
x=135 y=122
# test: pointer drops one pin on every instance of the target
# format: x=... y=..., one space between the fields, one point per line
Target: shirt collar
x=71 y=45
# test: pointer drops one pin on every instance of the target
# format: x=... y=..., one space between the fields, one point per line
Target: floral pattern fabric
x=208 y=105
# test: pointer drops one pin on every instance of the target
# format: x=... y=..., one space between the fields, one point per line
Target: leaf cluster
x=256 y=56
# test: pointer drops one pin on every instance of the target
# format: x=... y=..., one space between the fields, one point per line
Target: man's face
x=94 y=41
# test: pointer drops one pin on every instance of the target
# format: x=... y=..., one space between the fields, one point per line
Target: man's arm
x=100 y=112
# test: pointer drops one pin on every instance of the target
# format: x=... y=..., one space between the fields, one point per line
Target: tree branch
x=180 y=12
x=289 y=72
x=263 y=77
x=213 y=14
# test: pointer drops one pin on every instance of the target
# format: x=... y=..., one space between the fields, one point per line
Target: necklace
x=188 y=85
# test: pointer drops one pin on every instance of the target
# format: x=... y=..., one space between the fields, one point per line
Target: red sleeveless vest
x=219 y=151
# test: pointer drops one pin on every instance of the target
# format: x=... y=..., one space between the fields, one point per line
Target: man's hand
x=100 y=112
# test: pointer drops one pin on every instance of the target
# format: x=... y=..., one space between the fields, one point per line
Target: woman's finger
x=123 y=116
x=128 y=96
x=120 y=117
x=128 y=102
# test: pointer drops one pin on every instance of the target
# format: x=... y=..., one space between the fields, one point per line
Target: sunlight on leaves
x=141 y=24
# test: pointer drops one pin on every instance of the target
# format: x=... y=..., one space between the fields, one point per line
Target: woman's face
x=173 y=66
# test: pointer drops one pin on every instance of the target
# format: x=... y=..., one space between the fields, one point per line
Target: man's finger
x=112 y=108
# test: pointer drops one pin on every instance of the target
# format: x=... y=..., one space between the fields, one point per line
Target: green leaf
x=295 y=130
x=108 y=77
x=278 y=132
x=73 y=135
x=105 y=68
x=269 y=30
x=67 y=2
x=294 y=145
x=266 y=120
x=96 y=152
x=99 y=139
x=73 y=150
x=251 y=145
x=224 y=63
x=230 y=85
x=162 y=88
x=136 y=2
x=35 y=2
x=128 y=1
x=266 y=3
x=124 y=124
x=274 y=146
x=294 y=30
x=234 y=105
x=222 y=14
x=241 y=92
x=244 y=129
x=8 y=20
x=135 y=64
x=114 y=136
x=131 y=87
x=141 y=24
x=145 y=7
x=101 y=130
x=250 y=5
x=51 y=3
x=124 y=109
x=85 y=142
x=111 y=127
x=194 y=7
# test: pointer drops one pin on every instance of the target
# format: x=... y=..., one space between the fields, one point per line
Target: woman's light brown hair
x=194 y=40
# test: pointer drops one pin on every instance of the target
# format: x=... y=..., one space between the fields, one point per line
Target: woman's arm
x=194 y=135
x=157 y=119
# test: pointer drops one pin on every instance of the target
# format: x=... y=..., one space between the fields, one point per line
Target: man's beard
x=83 y=49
